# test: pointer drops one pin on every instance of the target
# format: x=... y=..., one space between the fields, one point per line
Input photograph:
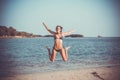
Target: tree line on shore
x=6 y=32
x=12 y=32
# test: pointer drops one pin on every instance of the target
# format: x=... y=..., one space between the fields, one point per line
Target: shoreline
x=94 y=73
x=22 y=37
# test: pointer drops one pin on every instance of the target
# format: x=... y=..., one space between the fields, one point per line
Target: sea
x=29 y=55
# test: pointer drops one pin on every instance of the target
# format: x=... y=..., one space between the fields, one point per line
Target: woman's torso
x=58 y=41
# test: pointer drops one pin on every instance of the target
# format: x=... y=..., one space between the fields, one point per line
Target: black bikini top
x=55 y=37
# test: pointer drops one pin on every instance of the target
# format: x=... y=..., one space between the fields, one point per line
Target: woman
x=58 y=47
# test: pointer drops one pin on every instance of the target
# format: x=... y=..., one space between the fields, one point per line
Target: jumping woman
x=58 y=47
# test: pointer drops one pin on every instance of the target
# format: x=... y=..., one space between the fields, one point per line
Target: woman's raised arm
x=50 y=31
x=67 y=33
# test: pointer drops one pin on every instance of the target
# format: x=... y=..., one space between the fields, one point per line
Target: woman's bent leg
x=48 y=51
x=64 y=53
x=53 y=55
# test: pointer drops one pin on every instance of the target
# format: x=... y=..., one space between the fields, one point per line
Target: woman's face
x=58 y=29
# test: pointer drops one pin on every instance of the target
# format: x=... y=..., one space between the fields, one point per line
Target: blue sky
x=88 y=17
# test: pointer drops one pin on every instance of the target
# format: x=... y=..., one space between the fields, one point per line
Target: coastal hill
x=75 y=35
x=10 y=32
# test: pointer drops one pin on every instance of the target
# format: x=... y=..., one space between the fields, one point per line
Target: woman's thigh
x=53 y=55
x=63 y=54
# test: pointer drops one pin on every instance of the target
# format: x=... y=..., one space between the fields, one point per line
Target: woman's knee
x=65 y=60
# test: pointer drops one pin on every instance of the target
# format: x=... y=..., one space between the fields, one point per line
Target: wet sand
x=99 y=73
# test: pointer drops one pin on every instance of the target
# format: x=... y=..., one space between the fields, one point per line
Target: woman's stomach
x=58 y=44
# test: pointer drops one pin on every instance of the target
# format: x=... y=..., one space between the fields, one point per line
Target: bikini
x=55 y=37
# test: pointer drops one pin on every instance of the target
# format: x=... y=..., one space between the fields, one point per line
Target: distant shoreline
x=21 y=37
x=72 y=35
x=15 y=37
x=11 y=32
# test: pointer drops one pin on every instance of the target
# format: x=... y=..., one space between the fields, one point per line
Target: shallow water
x=29 y=55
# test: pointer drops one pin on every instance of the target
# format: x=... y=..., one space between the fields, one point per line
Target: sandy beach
x=99 y=73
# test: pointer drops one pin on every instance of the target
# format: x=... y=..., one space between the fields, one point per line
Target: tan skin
x=58 y=43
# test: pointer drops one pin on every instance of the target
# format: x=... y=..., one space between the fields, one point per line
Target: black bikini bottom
x=56 y=49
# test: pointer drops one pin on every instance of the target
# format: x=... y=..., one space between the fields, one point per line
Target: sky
x=87 y=17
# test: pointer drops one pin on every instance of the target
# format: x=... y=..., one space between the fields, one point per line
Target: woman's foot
x=48 y=52
x=47 y=48
x=67 y=48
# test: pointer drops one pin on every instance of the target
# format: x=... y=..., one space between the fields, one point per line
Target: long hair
x=60 y=27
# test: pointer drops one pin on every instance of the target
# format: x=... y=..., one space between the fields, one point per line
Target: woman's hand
x=43 y=24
